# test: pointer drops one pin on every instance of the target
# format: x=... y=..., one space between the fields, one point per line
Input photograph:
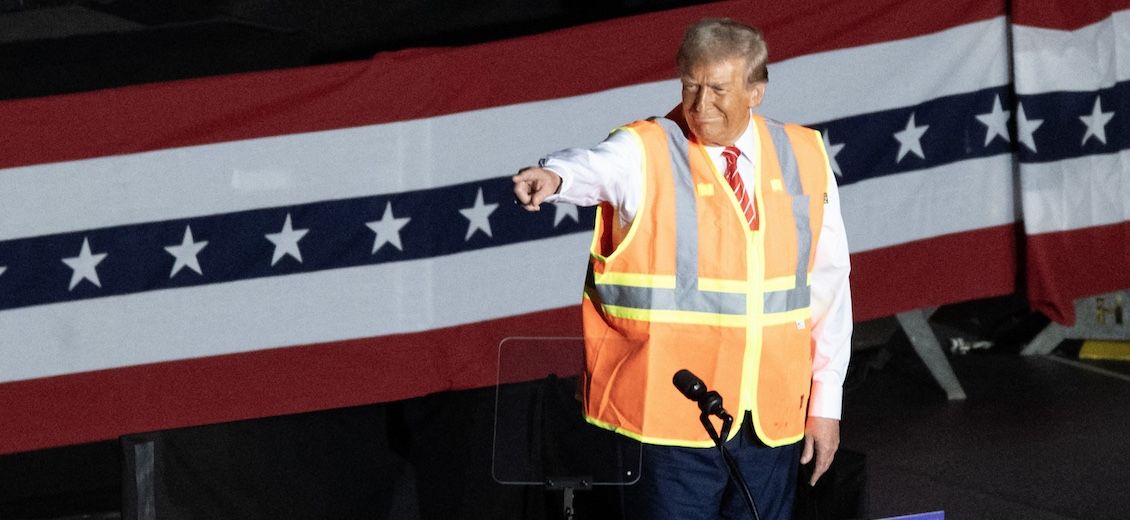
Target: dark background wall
x=58 y=46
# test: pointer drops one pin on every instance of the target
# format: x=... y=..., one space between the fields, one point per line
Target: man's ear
x=756 y=94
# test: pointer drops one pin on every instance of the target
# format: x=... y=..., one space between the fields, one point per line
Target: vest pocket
x=781 y=237
x=785 y=379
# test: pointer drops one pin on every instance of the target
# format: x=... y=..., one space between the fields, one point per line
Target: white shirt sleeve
x=611 y=172
x=831 y=311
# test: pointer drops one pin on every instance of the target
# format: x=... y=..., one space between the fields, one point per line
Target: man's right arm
x=609 y=172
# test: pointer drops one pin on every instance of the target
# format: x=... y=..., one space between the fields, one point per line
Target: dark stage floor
x=1037 y=438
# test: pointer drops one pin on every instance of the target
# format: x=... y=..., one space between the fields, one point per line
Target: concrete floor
x=1037 y=437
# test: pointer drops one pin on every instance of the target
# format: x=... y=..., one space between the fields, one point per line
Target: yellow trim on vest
x=735 y=428
x=755 y=302
x=781 y=442
x=658 y=440
x=669 y=316
x=666 y=281
x=594 y=245
x=657 y=281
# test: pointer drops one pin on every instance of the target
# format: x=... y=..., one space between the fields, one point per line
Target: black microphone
x=710 y=402
x=694 y=389
x=689 y=384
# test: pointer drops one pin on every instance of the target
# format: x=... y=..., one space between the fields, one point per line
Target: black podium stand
x=540 y=436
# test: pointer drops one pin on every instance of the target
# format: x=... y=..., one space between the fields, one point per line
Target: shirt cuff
x=564 y=181
x=826 y=400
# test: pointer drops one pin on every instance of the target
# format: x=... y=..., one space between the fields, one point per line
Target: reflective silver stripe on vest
x=669 y=299
x=787 y=300
x=790 y=174
x=686 y=295
x=686 y=213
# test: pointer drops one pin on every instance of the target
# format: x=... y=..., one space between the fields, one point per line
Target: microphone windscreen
x=689 y=384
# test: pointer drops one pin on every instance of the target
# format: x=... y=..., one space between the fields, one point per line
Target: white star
x=479 y=215
x=1026 y=127
x=910 y=139
x=996 y=121
x=387 y=229
x=286 y=242
x=833 y=151
x=1096 y=122
x=561 y=211
x=185 y=253
x=84 y=265
x=2 y=269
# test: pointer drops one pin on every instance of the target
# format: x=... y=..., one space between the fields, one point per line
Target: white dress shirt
x=612 y=172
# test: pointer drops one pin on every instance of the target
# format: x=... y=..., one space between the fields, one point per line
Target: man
x=719 y=248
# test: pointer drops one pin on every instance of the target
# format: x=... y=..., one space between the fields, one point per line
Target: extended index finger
x=526 y=174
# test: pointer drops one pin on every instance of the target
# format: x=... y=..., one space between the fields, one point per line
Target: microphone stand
x=711 y=404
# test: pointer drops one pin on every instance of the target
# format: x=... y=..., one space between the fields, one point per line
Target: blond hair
x=715 y=39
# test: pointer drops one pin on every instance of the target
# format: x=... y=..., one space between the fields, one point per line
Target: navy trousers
x=693 y=483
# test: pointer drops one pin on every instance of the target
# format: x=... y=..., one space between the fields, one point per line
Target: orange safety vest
x=691 y=286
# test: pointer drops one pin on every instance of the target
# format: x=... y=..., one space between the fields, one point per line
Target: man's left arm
x=831 y=330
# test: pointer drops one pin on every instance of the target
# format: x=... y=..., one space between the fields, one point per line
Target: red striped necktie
x=731 y=154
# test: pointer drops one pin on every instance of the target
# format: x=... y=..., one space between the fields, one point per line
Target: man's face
x=717 y=100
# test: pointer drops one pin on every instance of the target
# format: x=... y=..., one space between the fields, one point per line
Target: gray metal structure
x=1101 y=317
